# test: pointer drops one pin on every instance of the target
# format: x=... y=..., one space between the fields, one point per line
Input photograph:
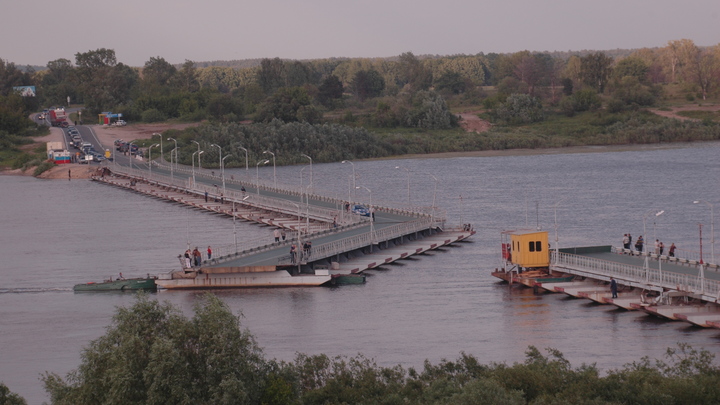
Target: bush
x=43 y=167
x=153 y=115
x=520 y=109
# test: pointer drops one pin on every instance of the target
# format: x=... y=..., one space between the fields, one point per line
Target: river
x=58 y=233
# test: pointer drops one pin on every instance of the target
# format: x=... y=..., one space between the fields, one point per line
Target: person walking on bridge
x=613 y=287
x=639 y=244
x=276 y=233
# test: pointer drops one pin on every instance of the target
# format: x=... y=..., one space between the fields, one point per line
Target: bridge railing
x=637 y=275
x=366 y=239
x=251 y=199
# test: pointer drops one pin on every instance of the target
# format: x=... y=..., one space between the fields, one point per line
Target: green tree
x=595 y=69
x=284 y=105
x=104 y=84
x=412 y=72
x=186 y=78
x=452 y=82
x=430 y=111
x=633 y=67
x=330 y=89
x=10 y=398
x=367 y=84
x=271 y=75
x=157 y=75
x=152 y=354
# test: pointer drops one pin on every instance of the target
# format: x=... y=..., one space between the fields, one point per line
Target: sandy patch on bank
x=673 y=113
x=108 y=134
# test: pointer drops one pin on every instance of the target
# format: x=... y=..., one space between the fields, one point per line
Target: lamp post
x=174 y=150
x=162 y=155
x=645 y=244
x=712 y=229
x=353 y=171
x=408 y=182
x=432 y=216
x=246 y=157
x=222 y=171
x=301 y=176
x=199 y=153
x=274 y=177
x=219 y=156
x=299 y=240
x=557 y=246
x=150 y=158
x=130 y=153
x=311 y=172
x=257 y=173
x=235 y=216
x=372 y=216
x=193 y=164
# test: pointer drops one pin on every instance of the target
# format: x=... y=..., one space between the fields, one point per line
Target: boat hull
x=279 y=278
x=119 y=285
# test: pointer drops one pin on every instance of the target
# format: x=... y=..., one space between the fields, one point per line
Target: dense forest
x=153 y=354
x=403 y=104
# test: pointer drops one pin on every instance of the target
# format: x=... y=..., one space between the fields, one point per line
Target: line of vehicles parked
x=87 y=152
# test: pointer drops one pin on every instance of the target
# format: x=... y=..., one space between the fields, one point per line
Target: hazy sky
x=35 y=32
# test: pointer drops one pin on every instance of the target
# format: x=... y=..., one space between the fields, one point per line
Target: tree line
x=153 y=354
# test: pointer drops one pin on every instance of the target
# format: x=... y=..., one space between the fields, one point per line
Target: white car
x=120 y=123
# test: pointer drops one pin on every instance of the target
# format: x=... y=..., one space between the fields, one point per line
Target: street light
x=432 y=216
x=712 y=229
x=150 y=158
x=219 y=156
x=193 y=164
x=408 y=182
x=246 y=157
x=222 y=171
x=645 y=244
x=162 y=155
x=353 y=170
x=556 y=229
x=257 y=173
x=311 y=172
x=274 y=178
x=372 y=216
x=130 y=153
x=198 y=144
x=174 y=150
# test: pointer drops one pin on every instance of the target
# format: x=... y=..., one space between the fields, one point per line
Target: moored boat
x=130 y=284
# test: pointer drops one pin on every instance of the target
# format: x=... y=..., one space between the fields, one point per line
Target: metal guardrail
x=367 y=239
x=226 y=253
x=638 y=275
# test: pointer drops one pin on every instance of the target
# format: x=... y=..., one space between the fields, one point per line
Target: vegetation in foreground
x=152 y=354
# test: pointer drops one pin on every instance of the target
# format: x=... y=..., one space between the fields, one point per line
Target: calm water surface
x=54 y=234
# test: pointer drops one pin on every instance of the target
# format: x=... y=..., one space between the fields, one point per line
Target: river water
x=55 y=233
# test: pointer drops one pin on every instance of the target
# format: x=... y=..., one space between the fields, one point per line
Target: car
x=120 y=123
x=361 y=210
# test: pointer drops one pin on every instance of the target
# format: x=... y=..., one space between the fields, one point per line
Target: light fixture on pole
x=645 y=244
x=353 y=175
x=174 y=151
x=257 y=173
x=246 y=157
x=311 y=171
x=372 y=214
x=432 y=216
x=162 y=155
x=198 y=144
x=408 y=182
x=130 y=153
x=274 y=177
x=219 y=155
x=222 y=171
x=193 y=164
x=557 y=246
x=712 y=230
x=150 y=158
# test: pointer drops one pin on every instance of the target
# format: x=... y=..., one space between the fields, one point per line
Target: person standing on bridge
x=209 y=252
x=657 y=247
x=613 y=287
x=639 y=244
x=662 y=248
x=626 y=242
x=197 y=256
x=276 y=233
x=283 y=235
x=671 y=252
x=293 y=254
x=206 y=196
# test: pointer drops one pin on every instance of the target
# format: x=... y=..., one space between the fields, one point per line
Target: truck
x=58 y=118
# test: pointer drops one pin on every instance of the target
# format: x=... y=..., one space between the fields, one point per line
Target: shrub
x=520 y=109
x=153 y=115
